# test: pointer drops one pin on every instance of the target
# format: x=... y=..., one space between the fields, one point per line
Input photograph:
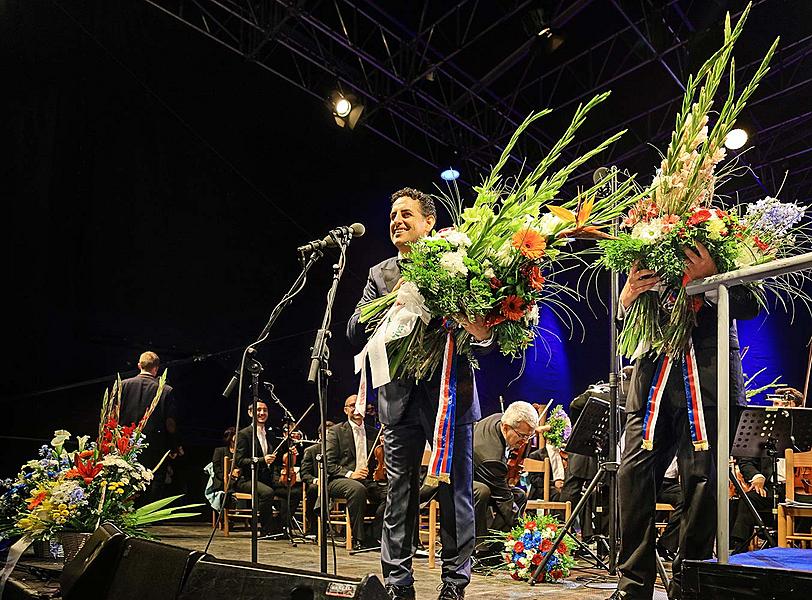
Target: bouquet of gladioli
x=79 y=489
x=495 y=263
x=679 y=212
x=560 y=427
x=526 y=544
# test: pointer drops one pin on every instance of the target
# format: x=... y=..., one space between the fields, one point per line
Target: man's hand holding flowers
x=476 y=328
x=699 y=264
x=638 y=282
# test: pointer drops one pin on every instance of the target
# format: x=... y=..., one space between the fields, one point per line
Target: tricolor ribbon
x=442 y=452
x=693 y=396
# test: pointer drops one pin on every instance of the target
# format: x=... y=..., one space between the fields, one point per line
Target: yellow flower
x=119 y=491
x=63 y=506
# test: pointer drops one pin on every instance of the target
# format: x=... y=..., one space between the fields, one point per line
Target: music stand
x=770 y=431
x=589 y=437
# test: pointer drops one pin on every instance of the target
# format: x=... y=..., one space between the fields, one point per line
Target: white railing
x=722 y=282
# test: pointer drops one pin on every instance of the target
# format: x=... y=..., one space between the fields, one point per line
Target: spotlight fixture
x=346 y=108
x=736 y=139
x=450 y=174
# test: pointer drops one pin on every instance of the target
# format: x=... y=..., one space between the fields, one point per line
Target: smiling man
x=407 y=409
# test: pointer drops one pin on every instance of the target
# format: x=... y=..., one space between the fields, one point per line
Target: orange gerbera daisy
x=530 y=242
x=535 y=278
x=513 y=308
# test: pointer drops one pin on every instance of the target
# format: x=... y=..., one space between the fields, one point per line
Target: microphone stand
x=319 y=374
x=249 y=362
x=613 y=464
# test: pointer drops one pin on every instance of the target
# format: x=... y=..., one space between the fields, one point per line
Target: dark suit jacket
x=267 y=474
x=743 y=305
x=340 y=449
x=217 y=466
x=490 y=466
x=137 y=394
x=309 y=469
x=394 y=397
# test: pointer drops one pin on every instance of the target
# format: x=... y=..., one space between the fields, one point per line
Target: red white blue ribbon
x=442 y=452
x=693 y=397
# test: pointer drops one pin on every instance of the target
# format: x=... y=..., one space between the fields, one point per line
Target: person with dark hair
x=407 y=410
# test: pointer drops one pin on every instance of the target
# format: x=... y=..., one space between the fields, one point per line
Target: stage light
x=343 y=107
x=450 y=174
x=736 y=139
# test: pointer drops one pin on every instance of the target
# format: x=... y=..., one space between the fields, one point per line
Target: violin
x=287 y=475
x=379 y=474
x=746 y=486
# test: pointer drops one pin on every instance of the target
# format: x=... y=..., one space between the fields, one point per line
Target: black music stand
x=770 y=431
x=589 y=437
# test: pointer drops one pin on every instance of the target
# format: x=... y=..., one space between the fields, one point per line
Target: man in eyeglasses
x=495 y=437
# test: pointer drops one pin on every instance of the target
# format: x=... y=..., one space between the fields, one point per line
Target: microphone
x=328 y=241
x=599 y=174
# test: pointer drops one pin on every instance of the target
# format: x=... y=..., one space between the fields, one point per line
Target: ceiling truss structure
x=419 y=95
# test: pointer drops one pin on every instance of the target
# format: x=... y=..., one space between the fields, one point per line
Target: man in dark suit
x=268 y=473
x=407 y=410
x=309 y=474
x=137 y=393
x=642 y=471
x=348 y=445
x=494 y=439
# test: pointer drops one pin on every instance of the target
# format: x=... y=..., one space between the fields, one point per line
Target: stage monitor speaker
x=213 y=579
x=113 y=566
x=90 y=573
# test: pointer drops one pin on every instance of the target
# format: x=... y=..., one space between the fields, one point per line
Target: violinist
x=497 y=504
x=758 y=473
x=270 y=490
x=349 y=446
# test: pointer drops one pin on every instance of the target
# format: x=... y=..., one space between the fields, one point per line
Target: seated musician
x=270 y=490
x=757 y=474
x=349 y=446
x=309 y=474
x=494 y=438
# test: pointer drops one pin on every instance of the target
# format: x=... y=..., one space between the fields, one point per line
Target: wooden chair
x=663 y=507
x=429 y=522
x=786 y=514
x=532 y=465
x=233 y=513
x=339 y=516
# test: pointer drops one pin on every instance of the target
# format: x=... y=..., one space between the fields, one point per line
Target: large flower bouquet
x=495 y=264
x=681 y=210
x=526 y=544
x=560 y=427
x=76 y=490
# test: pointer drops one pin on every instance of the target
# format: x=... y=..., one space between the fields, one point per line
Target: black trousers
x=671 y=493
x=357 y=493
x=640 y=476
x=505 y=510
x=267 y=496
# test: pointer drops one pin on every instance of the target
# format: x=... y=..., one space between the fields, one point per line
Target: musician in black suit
x=348 y=445
x=642 y=471
x=407 y=409
x=309 y=474
x=268 y=464
x=137 y=394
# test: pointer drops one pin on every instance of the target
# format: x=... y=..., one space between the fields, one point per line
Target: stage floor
x=582 y=584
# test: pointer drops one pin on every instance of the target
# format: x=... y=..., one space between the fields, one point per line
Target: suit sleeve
x=244 y=451
x=307 y=471
x=217 y=464
x=356 y=333
x=333 y=451
x=749 y=467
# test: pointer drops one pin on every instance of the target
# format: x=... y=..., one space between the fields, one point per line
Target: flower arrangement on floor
x=494 y=265
x=681 y=210
x=76 y=490
x=525 y=545
x=560 y=427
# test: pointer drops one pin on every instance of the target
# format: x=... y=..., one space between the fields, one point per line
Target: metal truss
x=418 y=95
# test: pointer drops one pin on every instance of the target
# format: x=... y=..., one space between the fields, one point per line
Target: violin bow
x=374 y=444
x=293 y=428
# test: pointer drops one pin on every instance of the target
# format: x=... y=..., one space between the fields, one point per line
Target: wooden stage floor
x=583 y=583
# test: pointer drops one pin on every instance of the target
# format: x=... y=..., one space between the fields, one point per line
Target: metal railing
x=721 y=283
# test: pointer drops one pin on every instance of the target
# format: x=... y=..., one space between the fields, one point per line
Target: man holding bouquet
x=654 y=436
x=407 y=410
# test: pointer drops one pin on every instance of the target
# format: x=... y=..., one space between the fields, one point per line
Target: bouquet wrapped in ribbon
x=76 y=490
x=682 y=214
x=494 y=265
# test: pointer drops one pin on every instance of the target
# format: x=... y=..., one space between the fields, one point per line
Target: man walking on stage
x=642 y=469
x=407 y=410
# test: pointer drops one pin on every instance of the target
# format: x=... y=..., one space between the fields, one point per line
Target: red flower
x=508 y=558
x=123 y=445
x=556 y=573
x=562 y=548
x=515 y=575
x=552 y=527
x=530 y=243
x=531 y=525
x=546 y=546
x=761 y=245
x=36 y=501
x=86 y=470
x=700 y=216
x=518 y=547
x=537 y=558
x=496 y=283
x=534 y=277
x=513 y=308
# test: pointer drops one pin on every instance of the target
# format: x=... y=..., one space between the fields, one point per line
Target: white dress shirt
x=263 y=439
x=360 y=435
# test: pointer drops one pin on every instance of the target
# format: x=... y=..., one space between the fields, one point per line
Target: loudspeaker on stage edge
x=214 y=579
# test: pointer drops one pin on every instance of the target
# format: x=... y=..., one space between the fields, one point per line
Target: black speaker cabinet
x=90 y=574
x=213 y=579
x=112 y=566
